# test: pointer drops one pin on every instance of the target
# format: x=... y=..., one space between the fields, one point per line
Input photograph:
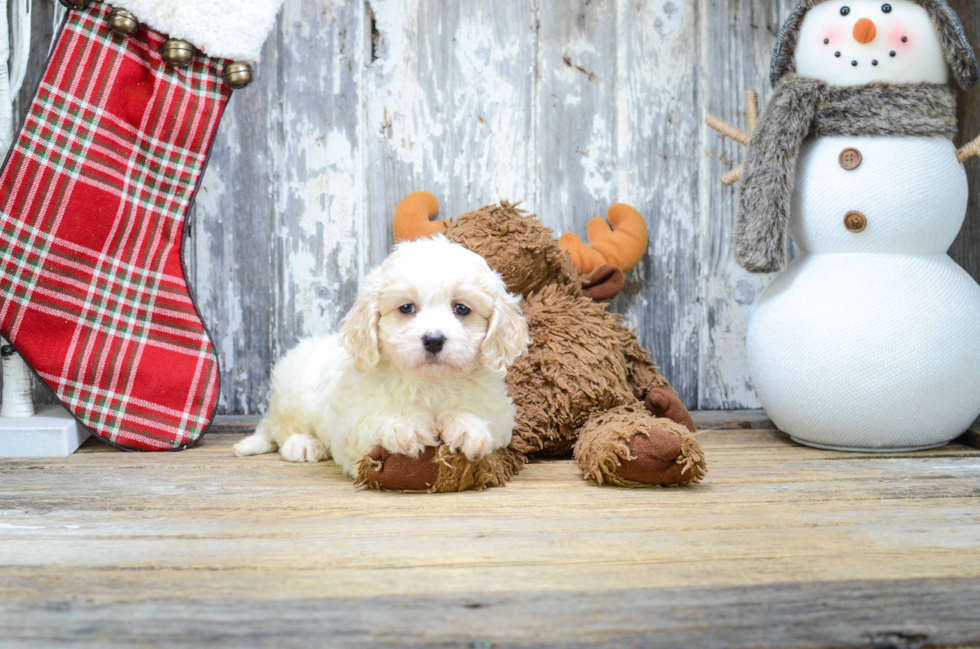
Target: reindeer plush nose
x=865 y=31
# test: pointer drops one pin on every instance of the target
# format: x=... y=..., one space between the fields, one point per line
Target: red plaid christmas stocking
x=93 y=197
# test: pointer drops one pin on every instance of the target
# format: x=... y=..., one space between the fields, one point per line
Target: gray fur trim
x=802 y=107
x=885 y=110
x=783 y=59
x=959 y=53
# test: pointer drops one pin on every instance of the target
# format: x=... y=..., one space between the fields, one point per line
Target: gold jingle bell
x=76 y=4
x=123 y=23
x=177 y=52
x=238 y=75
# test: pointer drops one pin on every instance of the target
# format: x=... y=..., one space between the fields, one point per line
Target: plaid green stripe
x=202 y=77
x=139 y=367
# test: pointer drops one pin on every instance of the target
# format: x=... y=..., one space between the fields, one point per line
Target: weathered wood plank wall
x=568 y=105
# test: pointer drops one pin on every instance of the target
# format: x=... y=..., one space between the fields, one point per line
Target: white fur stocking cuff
x=227 y=29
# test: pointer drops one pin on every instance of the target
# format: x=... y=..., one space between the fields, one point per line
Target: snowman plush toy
x=870 y=338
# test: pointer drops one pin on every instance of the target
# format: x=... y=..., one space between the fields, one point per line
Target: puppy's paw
x=254 y=445
x=302 y=448
x=467 y=434
x=409 y=434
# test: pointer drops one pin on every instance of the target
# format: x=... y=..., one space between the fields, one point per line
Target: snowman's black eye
x=845 y=11
x=886 y=8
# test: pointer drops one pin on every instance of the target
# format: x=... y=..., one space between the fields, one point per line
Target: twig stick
x=752 y=108
x=732 y=176
x=728 y=130
x=970 y=150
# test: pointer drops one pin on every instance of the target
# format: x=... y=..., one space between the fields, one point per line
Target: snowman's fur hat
x=959 y=53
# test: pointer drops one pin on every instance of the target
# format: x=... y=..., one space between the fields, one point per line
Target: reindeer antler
x=737 y=134
x=621 y=242
x=413 y=217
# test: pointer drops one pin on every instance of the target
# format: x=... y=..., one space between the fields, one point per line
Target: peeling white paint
x=319 y=196
x=597 y=162
x=406 y=116
x=567 y=107
x=731 y=63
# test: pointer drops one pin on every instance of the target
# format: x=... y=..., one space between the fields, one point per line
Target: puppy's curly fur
x=420 y=361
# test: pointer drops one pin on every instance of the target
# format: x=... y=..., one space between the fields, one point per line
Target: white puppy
x=420 y=358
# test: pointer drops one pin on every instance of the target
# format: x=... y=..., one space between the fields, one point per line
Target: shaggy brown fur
x=584 y=372
x=802 y=107
x=561 y=382
x=959 y=54
x=625 y=444
x=522 y=250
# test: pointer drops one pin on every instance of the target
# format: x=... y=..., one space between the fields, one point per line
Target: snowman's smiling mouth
x=855 y=62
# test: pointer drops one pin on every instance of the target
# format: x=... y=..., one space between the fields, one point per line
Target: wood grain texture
x=278 y=245
x=966 y=248
x=908 y=614
x=566 y=105
x=449 y=98
x=737 y=44
x=780 y=546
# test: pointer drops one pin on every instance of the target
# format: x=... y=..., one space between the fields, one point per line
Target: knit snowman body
x=870 y=339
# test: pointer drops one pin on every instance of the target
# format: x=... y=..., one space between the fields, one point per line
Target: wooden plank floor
x=782 y=546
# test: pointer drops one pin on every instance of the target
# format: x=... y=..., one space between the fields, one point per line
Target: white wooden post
x=17 y=401
x=51 y=432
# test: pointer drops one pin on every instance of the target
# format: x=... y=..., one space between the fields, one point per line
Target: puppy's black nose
x=433 y=343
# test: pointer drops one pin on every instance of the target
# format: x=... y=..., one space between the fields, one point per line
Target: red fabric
x=92 y=204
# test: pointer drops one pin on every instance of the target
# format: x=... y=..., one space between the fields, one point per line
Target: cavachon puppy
x=420 y=362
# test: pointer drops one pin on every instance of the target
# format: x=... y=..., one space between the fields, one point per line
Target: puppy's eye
x=886 y=8
x=461 y=309
x=407 y=309
x=845 y=11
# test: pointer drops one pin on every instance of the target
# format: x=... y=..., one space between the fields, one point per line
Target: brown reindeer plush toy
x=585 y=386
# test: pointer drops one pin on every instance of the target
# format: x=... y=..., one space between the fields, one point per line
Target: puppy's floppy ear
x=359 y=330
x=507 y=333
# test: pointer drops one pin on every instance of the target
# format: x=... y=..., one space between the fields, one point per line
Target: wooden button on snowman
x=851 y=159
x=870 y=338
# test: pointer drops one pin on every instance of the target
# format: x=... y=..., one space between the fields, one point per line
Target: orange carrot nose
x=865 y=31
